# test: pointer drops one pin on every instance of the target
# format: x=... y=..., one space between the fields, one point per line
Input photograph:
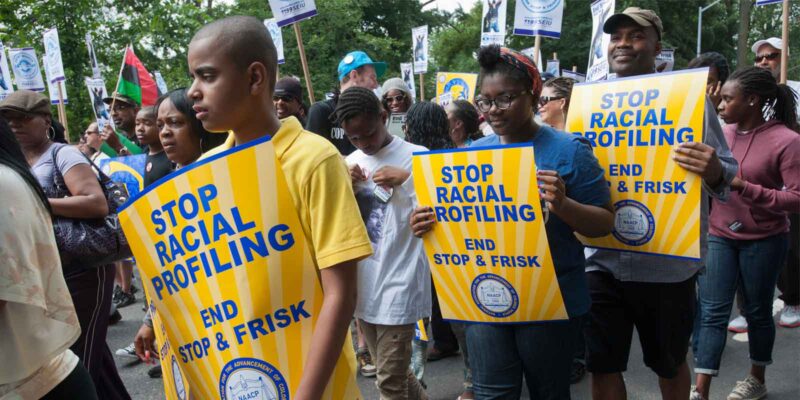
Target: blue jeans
x=499 y=355
x=754 y=265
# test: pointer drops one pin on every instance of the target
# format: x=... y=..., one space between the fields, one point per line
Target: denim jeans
x=499 y=355
x=753 y=265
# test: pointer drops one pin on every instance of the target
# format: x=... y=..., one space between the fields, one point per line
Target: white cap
x=773 y=41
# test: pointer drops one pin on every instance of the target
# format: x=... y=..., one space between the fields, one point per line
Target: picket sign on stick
x=574 y=68
x=537 y=46
x=304 y=62
x=62 y=112
x=421 y=87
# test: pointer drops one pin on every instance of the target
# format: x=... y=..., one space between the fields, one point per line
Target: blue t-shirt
x=571 y=156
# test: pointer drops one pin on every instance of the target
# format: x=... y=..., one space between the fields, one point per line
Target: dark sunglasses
x=285 y=99
x=546 y=99
x=396 y=99
x=770 y=56
x=17 y=116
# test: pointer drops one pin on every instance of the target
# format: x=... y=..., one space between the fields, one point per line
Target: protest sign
x=277 y=37
x=598 y=57
x=553 y=67
x=445 y=99
x=92 y=57
x=665 y=60
x=287 y=12
x=226 y=263
x=162 y=85
x=538 y=18
x=531 y=53
x=633 y=124
x=488 y=250
x=128 y=170
x=97 y=92
x=767 y=2
x=175 y=386
x=394 y=124
x=26 y=69
x=574 y=75
x=52 y=56
x=419 y=38
x=6 y=87
x=461 y=85
x=407 y=72
x=493 y=28
x=52 y=89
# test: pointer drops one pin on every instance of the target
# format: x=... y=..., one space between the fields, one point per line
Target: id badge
x=383 y=194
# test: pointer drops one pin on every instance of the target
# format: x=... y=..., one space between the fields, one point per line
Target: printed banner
x=92 y=57
x=288 y=12
x=633 y=125
x=488 y=249
x=52 y=89
x=6 y=87
x=553 y=67
x=407 y=72
x=128 y=170
x=162 y=85
x=767 y=2
x=665 y=61
x=277 y=37
x=419 y=37
x=26 y=69
x=598 y=52
x=97 y=92
x=461 y=85
x=224 y=259
x=536 y=58
x=52 y=56
x=493 y=29
x=538 y=18
x=568 y=73
x=445 y=99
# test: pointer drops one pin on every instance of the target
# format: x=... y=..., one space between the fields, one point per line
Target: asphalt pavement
x=444 y=377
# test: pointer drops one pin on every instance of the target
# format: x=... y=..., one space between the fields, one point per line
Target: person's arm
x=788 y=199
x=339 y=303
x=86 y=198
x=128 y=144
x=586 y=219
x=107 y=150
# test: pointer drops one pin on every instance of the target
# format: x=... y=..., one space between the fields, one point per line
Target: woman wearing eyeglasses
x=554 y=103
x=500 y=354
x=396 y=96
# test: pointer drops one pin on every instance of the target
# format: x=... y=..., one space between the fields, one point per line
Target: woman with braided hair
x=500 y=354
x=748 y=238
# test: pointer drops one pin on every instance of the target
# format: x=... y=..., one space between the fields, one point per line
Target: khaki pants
x=390 y=345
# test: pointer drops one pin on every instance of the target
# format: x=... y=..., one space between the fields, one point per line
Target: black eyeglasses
x=285 y=99
x=502 y=102
x=770 y=56
x=546 y=99
x=396 y=99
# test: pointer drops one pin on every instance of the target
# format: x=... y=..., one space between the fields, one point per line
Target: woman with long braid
x=748 y=238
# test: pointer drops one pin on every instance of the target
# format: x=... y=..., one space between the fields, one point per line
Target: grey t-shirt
x=68 y=157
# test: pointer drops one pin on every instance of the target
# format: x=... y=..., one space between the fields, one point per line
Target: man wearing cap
x=768 y=55
x=656 y=294
x=355 y=69
x=288 y=99
x=123 y=112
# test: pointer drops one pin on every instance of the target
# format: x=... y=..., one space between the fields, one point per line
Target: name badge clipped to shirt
x=383 y=194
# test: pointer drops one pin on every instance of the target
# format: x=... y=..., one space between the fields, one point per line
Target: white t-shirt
x=796 y=86
x=394 y=284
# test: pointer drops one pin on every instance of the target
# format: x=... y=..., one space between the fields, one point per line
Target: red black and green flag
x=135 y=82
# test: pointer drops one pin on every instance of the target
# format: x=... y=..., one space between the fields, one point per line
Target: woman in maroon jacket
x=748 y=234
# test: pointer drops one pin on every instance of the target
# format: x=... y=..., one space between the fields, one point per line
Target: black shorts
x=663 y=314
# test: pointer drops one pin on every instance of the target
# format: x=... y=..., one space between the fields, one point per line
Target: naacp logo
x=26 y=65
x=494 y=295
x=177 y=378
x=634 y=224
x=541 y=6
x=252 y=379
x=458 y=87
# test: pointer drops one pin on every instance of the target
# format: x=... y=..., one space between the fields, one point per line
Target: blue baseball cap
x=356 y=59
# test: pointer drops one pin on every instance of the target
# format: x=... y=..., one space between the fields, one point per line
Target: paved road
x=444 y=377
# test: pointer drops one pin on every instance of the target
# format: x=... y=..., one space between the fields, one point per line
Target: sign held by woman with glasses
x=461 y=85
x=489 y=254
x=633 y=124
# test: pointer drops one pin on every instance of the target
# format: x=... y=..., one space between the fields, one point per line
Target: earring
x=751 y=104
x=51 y=133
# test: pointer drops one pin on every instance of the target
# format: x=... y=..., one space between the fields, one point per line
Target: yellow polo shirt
x=320 y=186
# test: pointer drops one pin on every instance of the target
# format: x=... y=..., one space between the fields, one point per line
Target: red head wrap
x=526 y=65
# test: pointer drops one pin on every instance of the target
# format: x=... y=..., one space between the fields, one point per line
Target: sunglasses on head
x=546 y=99
x=397 y=99
x=770 y=56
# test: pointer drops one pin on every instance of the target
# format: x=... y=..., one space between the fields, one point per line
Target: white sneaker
x=738 y=325
x=695 y=395
x=127 y=352
x=748 y=389
x=790 y=317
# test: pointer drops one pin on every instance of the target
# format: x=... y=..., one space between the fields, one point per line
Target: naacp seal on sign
x=25 y=64
x=252 y=379
x=634 y=224
x=494 y=295
x=544 y=6
x=459 y=87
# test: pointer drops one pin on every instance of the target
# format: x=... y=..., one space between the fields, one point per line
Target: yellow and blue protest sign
x=225 y=262
x=461 y=85
x=128 y=170
x=633 y=125
x=488 y=250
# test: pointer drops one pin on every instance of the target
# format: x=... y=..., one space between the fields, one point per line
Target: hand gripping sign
x=633 y=125
x=488 y=249
x=224 y=259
